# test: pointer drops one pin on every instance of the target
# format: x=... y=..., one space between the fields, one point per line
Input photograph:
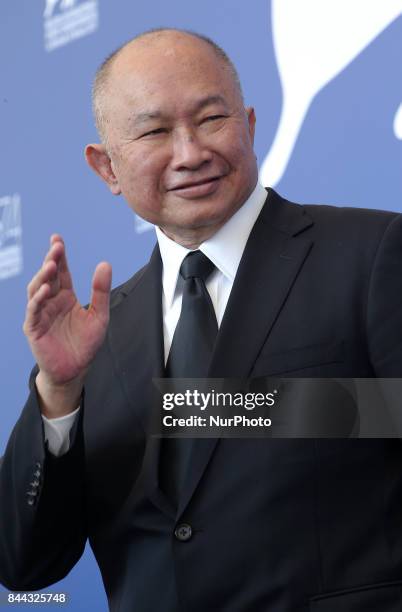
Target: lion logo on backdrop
x=10 y=236
x=68 y=20
x=314 y=41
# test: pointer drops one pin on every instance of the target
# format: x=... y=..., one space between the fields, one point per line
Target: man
x=259 y=525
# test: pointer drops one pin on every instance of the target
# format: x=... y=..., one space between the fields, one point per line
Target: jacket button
x=183 y=532
x=31 y=495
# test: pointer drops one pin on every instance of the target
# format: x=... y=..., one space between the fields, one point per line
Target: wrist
x=57 y=400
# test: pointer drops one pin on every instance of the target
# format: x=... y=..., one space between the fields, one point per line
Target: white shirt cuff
x=57 y=432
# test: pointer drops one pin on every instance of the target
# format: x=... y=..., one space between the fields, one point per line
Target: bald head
x=159 y=43
x=177 y=138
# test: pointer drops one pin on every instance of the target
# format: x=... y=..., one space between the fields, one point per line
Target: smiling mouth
x=193 y=184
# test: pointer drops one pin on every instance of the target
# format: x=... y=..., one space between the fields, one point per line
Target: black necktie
x=189 y=357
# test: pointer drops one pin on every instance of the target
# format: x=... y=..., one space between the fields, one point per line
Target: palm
x=67 y=338
x=64 y=337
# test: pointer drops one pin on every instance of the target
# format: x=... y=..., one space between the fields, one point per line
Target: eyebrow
x=143 y=117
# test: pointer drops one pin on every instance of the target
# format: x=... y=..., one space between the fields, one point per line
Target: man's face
x=179 y=139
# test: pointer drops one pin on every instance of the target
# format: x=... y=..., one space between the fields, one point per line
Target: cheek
x=142 y=174
x=235 y=146
x=245 y=156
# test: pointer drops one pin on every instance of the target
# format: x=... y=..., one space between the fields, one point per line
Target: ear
x=100 y=162
x=251 y=121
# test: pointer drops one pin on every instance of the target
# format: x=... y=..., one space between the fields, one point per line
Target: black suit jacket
x=279 y=525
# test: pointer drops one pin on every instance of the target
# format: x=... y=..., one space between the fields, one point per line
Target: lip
x=197 y=188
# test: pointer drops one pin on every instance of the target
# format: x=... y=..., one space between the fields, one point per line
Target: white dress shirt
x=224 y=249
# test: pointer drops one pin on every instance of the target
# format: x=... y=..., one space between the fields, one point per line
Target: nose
x=189 y=152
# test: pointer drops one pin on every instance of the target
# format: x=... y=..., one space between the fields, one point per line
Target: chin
x=202 y=221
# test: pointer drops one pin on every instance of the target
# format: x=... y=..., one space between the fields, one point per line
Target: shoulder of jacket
x=119 y=292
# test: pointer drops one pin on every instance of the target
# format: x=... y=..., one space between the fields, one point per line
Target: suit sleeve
x=42 y=505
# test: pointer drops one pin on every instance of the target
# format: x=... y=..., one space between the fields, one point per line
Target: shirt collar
x=224 y=249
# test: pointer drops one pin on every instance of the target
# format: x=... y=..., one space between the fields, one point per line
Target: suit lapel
x=272 y=259
x=136 y=343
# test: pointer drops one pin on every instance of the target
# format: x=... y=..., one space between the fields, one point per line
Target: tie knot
x=197 y=265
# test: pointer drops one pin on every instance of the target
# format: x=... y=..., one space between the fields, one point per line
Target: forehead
x=169 y=70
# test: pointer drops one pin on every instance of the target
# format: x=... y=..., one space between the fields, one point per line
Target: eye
x=214 y=117
x=154 y=132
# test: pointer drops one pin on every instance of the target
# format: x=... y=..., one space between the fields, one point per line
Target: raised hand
x=64 y=337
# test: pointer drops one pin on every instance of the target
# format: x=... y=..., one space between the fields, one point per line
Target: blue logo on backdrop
x=67 y=20
x=10 y=236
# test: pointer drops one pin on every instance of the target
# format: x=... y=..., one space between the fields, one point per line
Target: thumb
x=101 y=285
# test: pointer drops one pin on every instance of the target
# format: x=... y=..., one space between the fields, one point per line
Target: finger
x=35 y=307
x=55 y=251
x=46 y=274
x=63 y=269
x=101 y=285
x=62 y=277
x=56 y=238
x=54 y=255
